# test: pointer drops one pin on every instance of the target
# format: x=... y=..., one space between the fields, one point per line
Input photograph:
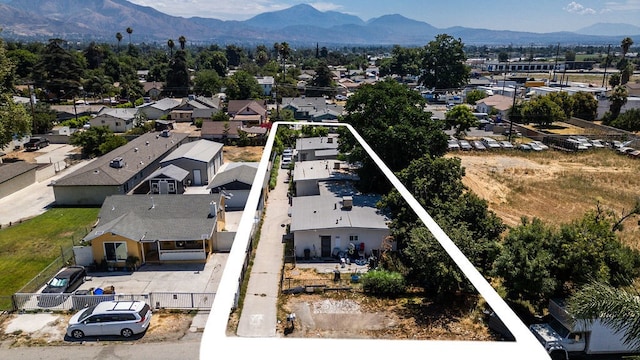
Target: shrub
x=383 y=283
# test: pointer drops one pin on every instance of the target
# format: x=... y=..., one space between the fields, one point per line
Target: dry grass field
x=555 y=186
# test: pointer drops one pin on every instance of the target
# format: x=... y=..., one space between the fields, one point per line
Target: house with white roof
x=338 y=223
x=317 y=148
x=158 y=109
x=201 y=158
x=118 y=120
x=307 y=175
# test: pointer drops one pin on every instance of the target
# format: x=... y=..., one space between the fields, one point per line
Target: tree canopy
x=392 y=120
x=443 y=63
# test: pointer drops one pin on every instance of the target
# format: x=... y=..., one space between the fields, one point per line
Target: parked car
x=534 y=146
x=453 y=144
x=634 y=154
x=490 y=143
x=124 y=318
x=540 y=144
x=506 y=144
x=285 y=163
x=465 y=145
x=65 y=281
x=478 y=145
x=341 y=97
x=525 y=147
x=598 y=144
x=625 y=150
x=288 y=152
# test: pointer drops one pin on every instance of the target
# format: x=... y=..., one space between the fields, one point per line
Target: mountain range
x=100 y=20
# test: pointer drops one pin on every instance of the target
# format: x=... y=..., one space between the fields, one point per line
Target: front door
x=197 y=177
x=325 y=246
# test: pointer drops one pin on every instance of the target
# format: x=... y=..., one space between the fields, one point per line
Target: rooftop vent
x=347 y=202
x=117 y=163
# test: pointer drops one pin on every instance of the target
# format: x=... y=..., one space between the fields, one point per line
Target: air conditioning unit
x=117 y=163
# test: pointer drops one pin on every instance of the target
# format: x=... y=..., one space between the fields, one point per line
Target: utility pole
x=606 y=63
x=556 y=63
x=513 y=108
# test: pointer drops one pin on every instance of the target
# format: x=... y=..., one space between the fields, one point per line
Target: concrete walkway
x=259 y=312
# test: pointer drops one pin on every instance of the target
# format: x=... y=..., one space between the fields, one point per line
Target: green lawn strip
x=28 y=248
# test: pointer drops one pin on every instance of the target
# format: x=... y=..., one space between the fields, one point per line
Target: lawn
x=28 y=248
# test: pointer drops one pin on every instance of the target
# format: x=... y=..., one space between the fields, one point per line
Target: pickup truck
x=36 y=143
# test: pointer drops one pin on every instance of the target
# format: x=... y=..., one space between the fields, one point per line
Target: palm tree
x=620 y=307
x=617 y=99
x=285 y=51
x=119 y=38
x=129 y=31
x=625 y=44
x=171 y=44
x=182 y=40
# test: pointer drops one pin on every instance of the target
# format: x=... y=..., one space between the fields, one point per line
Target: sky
x=539 y=16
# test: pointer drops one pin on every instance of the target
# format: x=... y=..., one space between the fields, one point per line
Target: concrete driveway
x=193 y=278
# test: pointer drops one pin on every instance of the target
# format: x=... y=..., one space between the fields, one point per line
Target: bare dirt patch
x=350 y=314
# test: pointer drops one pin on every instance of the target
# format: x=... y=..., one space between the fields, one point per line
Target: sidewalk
x=259 y=313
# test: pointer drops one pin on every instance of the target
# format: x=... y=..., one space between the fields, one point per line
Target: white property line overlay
x=215 y=341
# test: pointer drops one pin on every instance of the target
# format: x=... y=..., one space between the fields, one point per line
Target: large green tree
x=59 y=71
x=242 y=86
x=178 y=75
x=629 y=120
x=443 y=63
x=436 y=183
x=392 y=120
x=322 y=82
x=207 y=83
x=537 y=261
x=461 y=118
x=14 y=119
x=97 y=141
x=542 y=110
x=585 y=106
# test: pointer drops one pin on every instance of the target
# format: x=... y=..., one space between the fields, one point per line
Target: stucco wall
x=372 y=239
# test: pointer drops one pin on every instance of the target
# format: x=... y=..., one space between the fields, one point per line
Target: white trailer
x=563 y=337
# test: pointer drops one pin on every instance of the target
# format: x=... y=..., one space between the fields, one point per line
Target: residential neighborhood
x=270 y=196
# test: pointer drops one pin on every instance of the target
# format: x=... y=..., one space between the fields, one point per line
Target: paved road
x=31 y=201
x=259 y=312
x=186 y=349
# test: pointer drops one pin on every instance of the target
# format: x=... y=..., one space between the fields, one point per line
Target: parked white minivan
x=124 y=318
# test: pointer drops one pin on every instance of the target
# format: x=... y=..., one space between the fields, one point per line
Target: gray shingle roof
x=170 y=171
x=149 y=147
x=200 y=150
x=11 y=170
x=244 y=173
x=160 y=217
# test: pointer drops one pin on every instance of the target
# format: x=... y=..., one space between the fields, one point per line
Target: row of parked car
x=488 y=143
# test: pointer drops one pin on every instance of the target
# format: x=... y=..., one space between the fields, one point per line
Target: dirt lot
x=554 y=186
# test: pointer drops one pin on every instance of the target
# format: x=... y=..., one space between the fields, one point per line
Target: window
x=172 y=187
x=353 y=238
x=154 y=188
x=115 y=251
